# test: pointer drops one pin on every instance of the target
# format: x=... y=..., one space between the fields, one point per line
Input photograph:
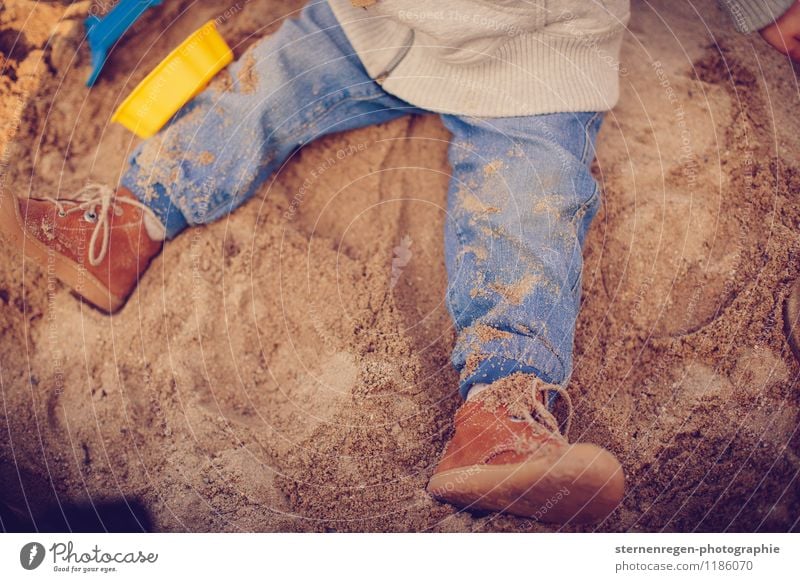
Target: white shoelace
x=88 y=199
x=546 y=418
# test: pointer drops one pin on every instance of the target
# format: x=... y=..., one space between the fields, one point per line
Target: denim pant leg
x=300 y=83
x=520 y=202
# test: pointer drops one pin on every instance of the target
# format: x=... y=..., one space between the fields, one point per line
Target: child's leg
x=521 y=199
x=300 y=83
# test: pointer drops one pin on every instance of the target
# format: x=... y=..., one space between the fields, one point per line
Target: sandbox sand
x=287 y=368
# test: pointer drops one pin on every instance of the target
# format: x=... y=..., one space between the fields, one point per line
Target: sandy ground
x=276 y=373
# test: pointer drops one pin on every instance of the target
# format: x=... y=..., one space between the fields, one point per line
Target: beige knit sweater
x=491 y=57
x=500 y=58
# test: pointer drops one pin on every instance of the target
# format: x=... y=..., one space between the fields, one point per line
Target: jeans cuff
x=536 y=359
x=157 y=199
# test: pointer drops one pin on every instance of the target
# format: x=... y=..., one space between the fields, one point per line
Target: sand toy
x=103 y=33
x=174 y=81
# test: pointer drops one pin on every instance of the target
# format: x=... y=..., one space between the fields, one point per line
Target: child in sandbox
x=522 y=87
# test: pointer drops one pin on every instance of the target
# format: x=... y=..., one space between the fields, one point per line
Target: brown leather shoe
x=96 y=243
x=497 y=462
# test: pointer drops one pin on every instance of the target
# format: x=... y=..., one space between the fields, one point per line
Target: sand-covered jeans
x=520 y=201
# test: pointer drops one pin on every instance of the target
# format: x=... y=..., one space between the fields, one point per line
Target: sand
x=287 y=369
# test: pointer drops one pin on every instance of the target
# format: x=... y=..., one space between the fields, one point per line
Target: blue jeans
x=520 y=201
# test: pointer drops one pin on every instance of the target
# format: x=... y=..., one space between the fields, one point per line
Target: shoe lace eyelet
x=61 y=213
x=90 y=216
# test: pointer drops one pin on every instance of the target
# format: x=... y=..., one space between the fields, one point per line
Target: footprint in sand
x=672 y=263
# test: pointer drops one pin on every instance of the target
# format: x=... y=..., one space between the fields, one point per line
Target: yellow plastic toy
x=174 y=82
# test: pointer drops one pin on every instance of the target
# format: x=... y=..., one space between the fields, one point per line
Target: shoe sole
x=84 y=284
x=584 y=485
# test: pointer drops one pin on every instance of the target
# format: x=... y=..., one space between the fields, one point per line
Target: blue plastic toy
x=103 y=33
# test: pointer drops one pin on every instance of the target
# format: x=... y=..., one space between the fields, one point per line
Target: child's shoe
x=98 y=243
x=498 y=462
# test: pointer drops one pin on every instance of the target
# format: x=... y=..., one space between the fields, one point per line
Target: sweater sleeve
x=751 y=15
